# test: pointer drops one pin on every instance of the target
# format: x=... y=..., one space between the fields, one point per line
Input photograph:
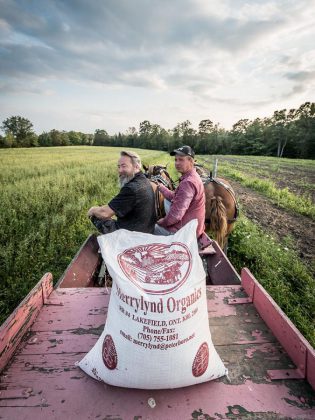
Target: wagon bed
x=271 y=365
x=42 y=381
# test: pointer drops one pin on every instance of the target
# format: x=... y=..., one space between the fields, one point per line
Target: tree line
x=288 y=133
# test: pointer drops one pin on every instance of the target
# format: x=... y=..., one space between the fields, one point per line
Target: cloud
x=20 y=88
x=227 y=52
x=104 y=40
x=301 y=76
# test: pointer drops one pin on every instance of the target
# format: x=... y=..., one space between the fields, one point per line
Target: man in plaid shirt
x=187 y=201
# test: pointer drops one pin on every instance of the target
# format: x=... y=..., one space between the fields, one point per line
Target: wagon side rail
x=81 y=270
x=298 y=348
x=22 y=318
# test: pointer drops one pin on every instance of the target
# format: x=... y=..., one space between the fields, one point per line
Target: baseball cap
x=183 y=151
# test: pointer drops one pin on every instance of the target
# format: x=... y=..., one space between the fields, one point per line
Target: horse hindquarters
x=216 y=214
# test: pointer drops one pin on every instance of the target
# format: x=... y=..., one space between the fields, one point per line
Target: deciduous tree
x=22 y=131
x=101 y=138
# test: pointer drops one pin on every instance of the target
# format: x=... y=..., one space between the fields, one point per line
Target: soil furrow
x=278 y=222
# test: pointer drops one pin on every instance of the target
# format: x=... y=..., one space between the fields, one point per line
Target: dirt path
x=279 y=222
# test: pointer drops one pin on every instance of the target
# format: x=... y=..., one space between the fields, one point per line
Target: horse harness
x=169 y=183
x=229 y=189
x=159 y=179
x=158 y=210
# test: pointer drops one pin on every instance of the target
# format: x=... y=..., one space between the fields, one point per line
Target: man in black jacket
x=133 y=206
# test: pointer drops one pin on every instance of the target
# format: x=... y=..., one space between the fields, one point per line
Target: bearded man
x=134 y=205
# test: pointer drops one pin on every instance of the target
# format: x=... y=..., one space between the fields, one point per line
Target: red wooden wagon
x=271 y=365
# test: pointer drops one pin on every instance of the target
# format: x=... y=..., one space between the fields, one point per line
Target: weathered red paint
x=13 y=329
x=300 y=351
x=43 y=382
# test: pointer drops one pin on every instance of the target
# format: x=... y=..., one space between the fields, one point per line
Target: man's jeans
x=159 y=230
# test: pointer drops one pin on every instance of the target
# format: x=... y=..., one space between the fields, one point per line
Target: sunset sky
x=83 y=65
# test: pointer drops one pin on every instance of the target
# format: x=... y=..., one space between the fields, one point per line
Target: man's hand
x=91 y=211
x=160 y=221
x=102 y=213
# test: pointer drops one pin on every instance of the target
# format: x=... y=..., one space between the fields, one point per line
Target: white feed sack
x=157 y=332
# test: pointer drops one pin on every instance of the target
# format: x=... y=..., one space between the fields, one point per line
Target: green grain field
x=45 y=195
x=46 y=192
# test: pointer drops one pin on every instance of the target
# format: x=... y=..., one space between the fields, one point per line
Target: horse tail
x=218 y=220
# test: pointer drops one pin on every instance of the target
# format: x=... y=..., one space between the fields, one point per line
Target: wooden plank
x=220 y=270
x=82 y=268
x=51 y=320
x=68 y=293
x=251 y=361
x=73 y=311
x=53 y=381
x=204 y=401
x=237 y=333
x=218 y=296
x=84 y=313
x=13 y=329
x=62 y=341
x=82 y=339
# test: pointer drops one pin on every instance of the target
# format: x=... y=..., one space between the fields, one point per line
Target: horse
x=158 y=174
x=221 y=204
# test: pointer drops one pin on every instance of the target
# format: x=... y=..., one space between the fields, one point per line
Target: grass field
x=46 y=193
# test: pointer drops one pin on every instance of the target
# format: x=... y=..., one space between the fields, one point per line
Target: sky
x=109 y=64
